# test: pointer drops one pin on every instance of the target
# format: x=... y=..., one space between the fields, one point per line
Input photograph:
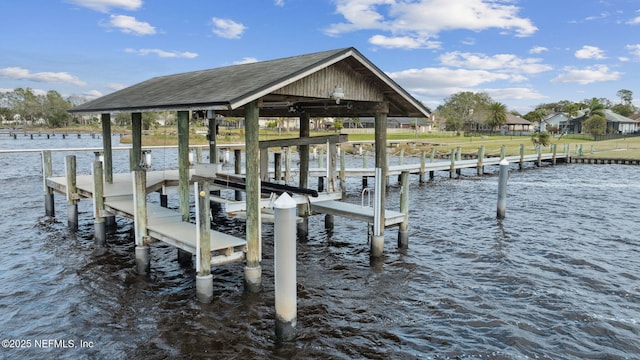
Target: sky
x=521 y=52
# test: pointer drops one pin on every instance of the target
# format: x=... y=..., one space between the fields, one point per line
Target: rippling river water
x=559 y=278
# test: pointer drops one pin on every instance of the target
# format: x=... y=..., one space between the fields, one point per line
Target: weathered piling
x=143 y=256
x=277 y=166
x=403 y=231
x=237 y=167
x=377 y=240
x=253 y=268
x=285 y=268
x=502 y=188
x=108 y=151
x=204 y=279
x=72 y=196
x=423 y=165
x=47 y=172
x=100 y=229
x=521 y=164
x=480 y=166
x=452 y=167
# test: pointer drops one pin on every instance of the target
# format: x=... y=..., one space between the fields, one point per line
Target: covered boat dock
x=335 y=83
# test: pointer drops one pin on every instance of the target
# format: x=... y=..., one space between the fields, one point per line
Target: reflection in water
x=557 y=278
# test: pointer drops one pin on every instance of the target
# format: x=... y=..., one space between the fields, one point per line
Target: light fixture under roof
x=338 y=94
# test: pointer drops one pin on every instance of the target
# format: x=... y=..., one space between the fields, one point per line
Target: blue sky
x=521 y=52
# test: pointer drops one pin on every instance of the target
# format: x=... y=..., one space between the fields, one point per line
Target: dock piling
x=285 y=268
x=502 y=188
x=47 y=172
x=100 y=229
x=403 y=231
x=377 y=240
x=480 y=166
x=143 y=256
x=204 y=279
x=72 y=196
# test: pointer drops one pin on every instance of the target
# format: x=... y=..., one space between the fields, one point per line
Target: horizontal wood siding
x=322 y=83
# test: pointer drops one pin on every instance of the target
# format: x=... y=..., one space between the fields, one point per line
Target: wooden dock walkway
x=445 y=165
x=163 y=224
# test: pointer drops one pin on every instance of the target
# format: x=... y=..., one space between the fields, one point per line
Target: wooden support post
x=458 y=158
x=100 y=229
x=284 y=268
x=264 y=164
x=555 y=154
x=198 y=155
x=342 y=174
x=423 y=165
x=47 y=172
x=480 y=166
x=431 y=159
x=277 y=166
x=287 y=164
x=303 y=155
x=136 y=140
x=403 y=231
x=237 y=167
x=365 y=179
x=183 y=163
x=204 y=279
x=213 y=134
x=539 y=161
x=107 y=149
x=521 y=164
x=143 y=257
x=72 y=192
x=452 y=167
x=184 y=258
x=332 y=157
x=380 y=119
x=503 y=152
x=253 y=269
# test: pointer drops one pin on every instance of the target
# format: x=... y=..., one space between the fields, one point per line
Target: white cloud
x=227 y=28
x=444 y=81
x=279 y=3
x=499 y=62
x=106 y=5
x=163 y=53
x=634 y=50
x=634 y=21
x=245 y=60
x=538 y=50
x=116 y=86
x=425 y=19
x=129 y=25
x=588 y=75
x=402 y=42
x=47 y=77
x=92 y=94
x=519 y=93
x=590 y=52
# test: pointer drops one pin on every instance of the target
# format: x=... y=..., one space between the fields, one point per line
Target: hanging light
x=338 y=94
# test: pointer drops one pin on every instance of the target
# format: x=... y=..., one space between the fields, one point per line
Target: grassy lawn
x=410 y=142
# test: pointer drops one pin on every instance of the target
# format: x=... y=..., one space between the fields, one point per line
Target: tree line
x=476 y=111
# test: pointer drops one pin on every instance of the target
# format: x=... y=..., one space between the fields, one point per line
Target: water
x=559 y=278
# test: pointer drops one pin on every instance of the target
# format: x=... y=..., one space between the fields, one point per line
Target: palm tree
x=497 y=115
x=595 y=108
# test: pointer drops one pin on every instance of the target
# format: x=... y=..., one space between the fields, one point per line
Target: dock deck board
x=163 y=224
x=353 y=211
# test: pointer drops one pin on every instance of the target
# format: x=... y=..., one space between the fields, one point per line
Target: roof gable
x=307 y=77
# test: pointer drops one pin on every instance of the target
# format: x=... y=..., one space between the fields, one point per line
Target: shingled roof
x=228 y=89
